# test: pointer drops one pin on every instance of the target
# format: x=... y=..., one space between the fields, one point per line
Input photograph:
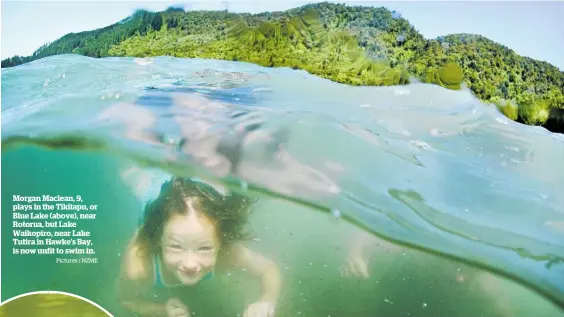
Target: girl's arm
x=259 y=266
x=135 y=281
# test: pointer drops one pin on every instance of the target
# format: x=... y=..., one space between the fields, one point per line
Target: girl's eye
x=206 y=248
x=174 y=246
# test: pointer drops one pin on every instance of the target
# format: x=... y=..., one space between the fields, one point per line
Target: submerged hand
x=356 y=266
x=260 y=309
x=175 y=308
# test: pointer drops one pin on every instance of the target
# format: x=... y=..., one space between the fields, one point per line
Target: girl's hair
x=228 y=212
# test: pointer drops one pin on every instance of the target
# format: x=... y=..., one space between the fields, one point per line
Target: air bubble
x=336 y=213
x=244 y=185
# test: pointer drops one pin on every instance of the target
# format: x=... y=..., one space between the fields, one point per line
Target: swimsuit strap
x=159 y=283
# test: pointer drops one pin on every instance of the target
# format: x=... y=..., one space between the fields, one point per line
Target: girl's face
x=190 y=245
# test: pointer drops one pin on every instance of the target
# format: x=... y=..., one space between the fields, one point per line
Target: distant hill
x=355 y=45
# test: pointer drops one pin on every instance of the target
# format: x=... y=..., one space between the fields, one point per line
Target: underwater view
x=322 y=196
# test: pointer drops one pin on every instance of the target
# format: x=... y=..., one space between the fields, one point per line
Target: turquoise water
x=419 y=165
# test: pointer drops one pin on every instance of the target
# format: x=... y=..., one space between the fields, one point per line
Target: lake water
x=439 y=184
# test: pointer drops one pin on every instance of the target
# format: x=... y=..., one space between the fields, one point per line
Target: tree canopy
x=348 y=44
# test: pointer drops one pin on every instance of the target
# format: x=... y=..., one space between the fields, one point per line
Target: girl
x=189 y=233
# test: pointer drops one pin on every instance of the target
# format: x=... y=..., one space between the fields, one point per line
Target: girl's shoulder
x=137 y=262
x=135 y=272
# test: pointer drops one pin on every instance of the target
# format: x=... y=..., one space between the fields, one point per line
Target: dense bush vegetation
x=349 y=44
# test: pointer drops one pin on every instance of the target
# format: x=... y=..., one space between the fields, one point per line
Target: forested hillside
x=349 y=44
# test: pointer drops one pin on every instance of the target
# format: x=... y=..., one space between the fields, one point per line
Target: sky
x=533 y=29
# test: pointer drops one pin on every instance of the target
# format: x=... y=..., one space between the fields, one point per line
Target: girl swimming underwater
x=189 y=233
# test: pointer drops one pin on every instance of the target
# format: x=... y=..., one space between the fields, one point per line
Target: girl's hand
x=260 y=309
x=175 y=308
